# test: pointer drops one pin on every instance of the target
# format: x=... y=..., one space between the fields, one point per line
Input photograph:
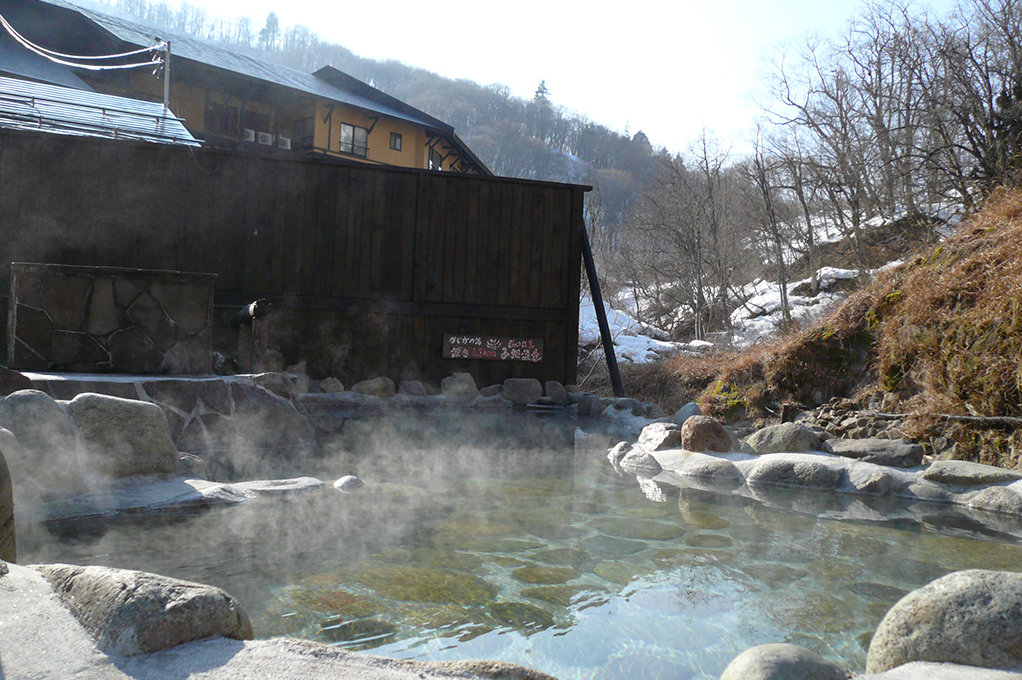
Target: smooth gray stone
x=133 y=612
x=971 y=617
x=890 y=452
x=782 y=662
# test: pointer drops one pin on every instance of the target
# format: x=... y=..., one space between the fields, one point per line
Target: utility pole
x=166 y=79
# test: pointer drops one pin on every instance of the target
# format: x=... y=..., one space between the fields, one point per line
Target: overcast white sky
x=667 y=67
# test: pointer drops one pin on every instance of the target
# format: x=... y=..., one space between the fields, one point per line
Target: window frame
x=353 y=147
x=395 y=141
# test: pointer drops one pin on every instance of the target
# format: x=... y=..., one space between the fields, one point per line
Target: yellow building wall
x=189 y=102
x=329 y=118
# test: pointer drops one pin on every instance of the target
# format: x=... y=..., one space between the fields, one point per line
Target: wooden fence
x=368 y=268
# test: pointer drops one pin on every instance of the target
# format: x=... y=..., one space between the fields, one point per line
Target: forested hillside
x=905 y=117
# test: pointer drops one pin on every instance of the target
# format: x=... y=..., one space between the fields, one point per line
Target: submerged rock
x=543 y=574
x=415 y=584
x=521 y=616
x=341 y=630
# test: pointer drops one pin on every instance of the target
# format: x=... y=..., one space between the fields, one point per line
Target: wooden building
x=229 y=99
x=369 y=269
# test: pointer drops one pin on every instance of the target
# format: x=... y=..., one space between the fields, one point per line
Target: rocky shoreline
x=794 y=465
x=960 y=626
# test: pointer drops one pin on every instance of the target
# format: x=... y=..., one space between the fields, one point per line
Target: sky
x=670 y=68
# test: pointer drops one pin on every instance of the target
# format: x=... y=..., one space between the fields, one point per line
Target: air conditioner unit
x=265 y=138
x=284 y=143
x=248 y=135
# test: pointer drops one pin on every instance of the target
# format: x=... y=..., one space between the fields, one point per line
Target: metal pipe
x=601 y=316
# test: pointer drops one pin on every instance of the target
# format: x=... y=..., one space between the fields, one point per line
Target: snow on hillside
x=761 y=315
x=632 y=341
x=756 y=320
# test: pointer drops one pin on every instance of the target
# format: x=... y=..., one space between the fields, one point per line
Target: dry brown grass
x=953 y=343
x=939 y=335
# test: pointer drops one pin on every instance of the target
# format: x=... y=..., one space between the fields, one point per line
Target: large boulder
x=459 y=386
x=659 y=436
x=783 y=438
x=124 y=437
x=703 y=433
x=331 y=385
x=376 y=387
x=972 y=617
x=787 y=471
x=782 y=662
x=132 y=612
x=640 y=462
x=556 y=392
x=965 y=473
x=8 y=539
x=47 y=451
x=685 y=412
x=522 y=391
x=890 y=452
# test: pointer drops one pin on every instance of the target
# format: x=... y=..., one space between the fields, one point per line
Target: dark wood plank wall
x=368 y=267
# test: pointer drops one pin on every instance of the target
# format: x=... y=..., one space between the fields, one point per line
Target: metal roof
x=27 y=105
x=134 y=32
x=17 y=61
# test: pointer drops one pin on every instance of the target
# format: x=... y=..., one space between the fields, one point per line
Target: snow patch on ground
x=758 y=319
x=632 y=338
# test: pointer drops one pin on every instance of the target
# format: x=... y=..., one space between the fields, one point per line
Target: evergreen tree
x=269 y=33
x=542 y=92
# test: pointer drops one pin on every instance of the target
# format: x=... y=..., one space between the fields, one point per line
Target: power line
x=62 y=59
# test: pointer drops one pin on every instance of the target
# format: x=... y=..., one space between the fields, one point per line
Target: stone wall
x=109 y=320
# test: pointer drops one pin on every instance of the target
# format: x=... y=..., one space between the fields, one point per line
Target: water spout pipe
x=601 y=316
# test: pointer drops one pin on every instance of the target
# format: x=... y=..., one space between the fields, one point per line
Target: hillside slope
x=938 y=338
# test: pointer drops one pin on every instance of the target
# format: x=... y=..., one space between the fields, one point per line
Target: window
x=395 y=141
x=303 y=134
x=354 y=140
x=221 y=120
x=436 y=161
x=259 y=122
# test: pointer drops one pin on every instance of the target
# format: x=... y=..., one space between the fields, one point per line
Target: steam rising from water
x=474 y=538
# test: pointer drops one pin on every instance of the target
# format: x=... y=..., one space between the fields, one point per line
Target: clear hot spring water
x=512 y=538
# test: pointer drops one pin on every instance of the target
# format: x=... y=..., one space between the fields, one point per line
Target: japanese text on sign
x=494 y=349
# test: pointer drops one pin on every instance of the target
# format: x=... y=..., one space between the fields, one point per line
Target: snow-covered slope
x=756 y=320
